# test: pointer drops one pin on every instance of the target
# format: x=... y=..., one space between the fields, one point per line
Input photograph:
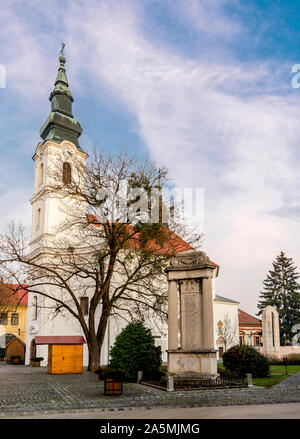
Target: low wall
x=288 y=350
x=284 y=350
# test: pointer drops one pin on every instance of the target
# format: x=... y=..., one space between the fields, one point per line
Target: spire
x=60 y=124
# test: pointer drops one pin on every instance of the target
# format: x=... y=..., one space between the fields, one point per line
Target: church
x=60 y=133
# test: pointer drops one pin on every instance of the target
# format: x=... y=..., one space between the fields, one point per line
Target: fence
x=221 y=382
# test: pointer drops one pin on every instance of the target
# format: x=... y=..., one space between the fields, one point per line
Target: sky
x=203 y=87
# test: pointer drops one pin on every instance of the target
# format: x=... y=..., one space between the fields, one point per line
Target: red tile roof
x=173 y=245
x=246 y=319
x=13 y=294
x=60 y=339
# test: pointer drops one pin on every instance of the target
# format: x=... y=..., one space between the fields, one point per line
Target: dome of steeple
x=60 y=124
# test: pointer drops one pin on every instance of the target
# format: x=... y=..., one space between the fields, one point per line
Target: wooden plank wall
x=65 y=359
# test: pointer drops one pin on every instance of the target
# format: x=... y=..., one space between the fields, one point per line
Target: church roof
x=224 y=299
x=248 y=319
x=173 y=244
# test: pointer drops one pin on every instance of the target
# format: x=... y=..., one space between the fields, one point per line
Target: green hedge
x=293 y=359
x=242 y=359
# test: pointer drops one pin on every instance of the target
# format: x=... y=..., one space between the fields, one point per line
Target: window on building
x=256 y=340
x=3 y=318
x=34 y=308
x=220 y=327
x=84 y=305
x=14 y=320
x=241 y=339
x=38 y=218
x=41 y=174
x=67 y=173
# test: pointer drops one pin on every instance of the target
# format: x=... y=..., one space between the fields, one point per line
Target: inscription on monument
x=191 y=310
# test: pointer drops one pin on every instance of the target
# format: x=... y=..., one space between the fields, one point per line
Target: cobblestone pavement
x=25 y=389
x=291 y=381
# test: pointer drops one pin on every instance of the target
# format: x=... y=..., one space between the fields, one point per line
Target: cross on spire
x=62 y=48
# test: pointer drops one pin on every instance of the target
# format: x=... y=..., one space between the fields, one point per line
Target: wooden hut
x=65 y=353
x=15 y=348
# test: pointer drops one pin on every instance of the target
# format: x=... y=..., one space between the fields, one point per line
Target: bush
x=242 y=359
x=293 y=359
x=108 y=372
x=135 y=350
x=2 y=352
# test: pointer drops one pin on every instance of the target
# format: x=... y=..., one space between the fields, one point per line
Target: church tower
x=59 y=147
x=59 y=153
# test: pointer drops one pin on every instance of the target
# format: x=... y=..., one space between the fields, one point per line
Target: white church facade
x=60 y=135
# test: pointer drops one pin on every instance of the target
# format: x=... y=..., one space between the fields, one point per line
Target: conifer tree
x=282 y=291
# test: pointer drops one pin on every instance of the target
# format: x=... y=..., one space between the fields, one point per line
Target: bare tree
x=228 y=330
x=105 y=249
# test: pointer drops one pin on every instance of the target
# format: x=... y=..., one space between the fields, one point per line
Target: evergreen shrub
x=135 y=350
x=242 y=359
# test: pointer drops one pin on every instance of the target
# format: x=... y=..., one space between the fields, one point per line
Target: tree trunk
x=94 y=356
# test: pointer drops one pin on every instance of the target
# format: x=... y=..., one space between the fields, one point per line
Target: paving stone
x=26 y=390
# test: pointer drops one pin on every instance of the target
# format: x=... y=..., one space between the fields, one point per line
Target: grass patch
x=269 y=381
x=281 y=369
x=220 y=367
x=277 y=374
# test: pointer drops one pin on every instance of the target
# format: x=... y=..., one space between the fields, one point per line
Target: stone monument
x=191 y=347
x=270 y=332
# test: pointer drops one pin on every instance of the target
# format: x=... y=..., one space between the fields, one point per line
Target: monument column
x=172 y=315
x=195 y=358
x=208 y=314
x=270 y=332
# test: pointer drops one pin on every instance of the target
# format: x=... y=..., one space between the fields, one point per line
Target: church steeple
x=60 y=124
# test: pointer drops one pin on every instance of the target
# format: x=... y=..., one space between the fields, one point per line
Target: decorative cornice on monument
x=190 y=260
x=60 y=124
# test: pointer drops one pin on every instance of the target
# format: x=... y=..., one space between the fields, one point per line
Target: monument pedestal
x=198 y=364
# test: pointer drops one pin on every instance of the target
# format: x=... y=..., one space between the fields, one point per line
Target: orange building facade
x=13 y=313
x=250 y=329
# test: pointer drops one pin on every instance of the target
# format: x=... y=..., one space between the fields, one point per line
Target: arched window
x=34 y=308
x=41 y=174
x=9 y=338
x=220 y=327
x=67 y=173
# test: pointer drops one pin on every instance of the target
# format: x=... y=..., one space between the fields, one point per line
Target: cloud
x=196 y=118
x=218 y=123
x=14 y=206
x=208 y=17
